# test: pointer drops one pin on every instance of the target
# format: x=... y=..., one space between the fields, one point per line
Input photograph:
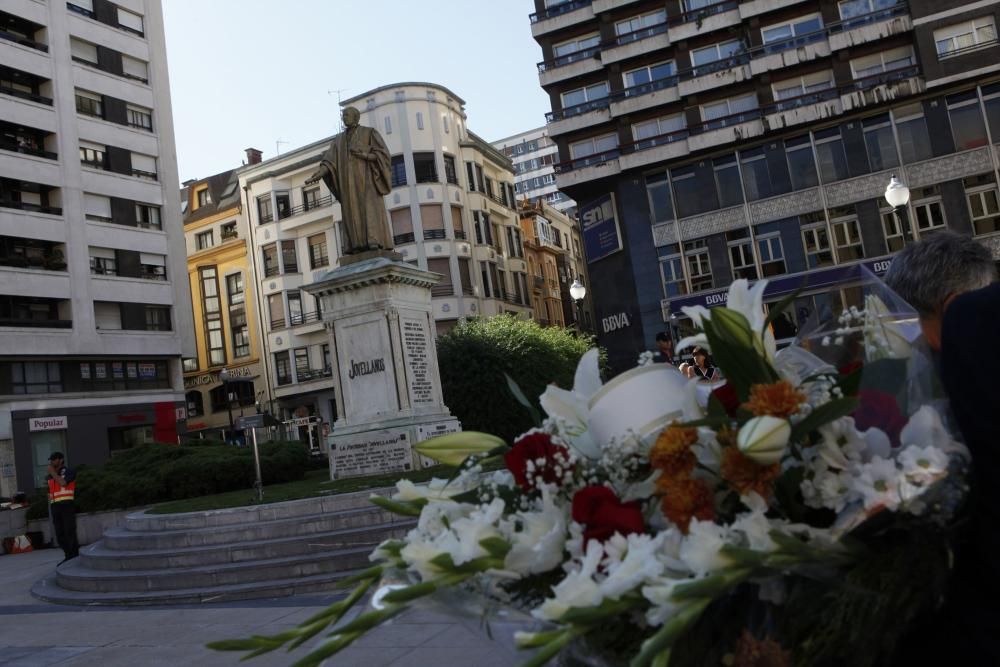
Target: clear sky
x=253 y=72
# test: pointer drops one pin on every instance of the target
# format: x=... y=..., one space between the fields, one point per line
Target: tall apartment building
x=708 y=141
x=452 y=212
x=534 y=155
x=226 y=378
x=94 y=306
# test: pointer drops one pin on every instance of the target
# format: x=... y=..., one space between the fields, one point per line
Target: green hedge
x=474 y=356
x=156 y=473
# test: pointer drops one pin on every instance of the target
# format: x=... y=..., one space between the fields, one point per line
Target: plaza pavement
x=37 y=634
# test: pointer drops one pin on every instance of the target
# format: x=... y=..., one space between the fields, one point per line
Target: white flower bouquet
x=783 y=515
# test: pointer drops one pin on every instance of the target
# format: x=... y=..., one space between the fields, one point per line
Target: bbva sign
x=615 y=322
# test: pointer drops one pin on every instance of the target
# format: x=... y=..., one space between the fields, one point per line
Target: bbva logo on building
x=615 y=322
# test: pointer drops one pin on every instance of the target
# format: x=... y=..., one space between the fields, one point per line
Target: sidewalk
x=36 y=634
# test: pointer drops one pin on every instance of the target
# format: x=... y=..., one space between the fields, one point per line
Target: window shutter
x=135 y=68
x=144 y=162
x=129 y=20
x=96 y=205
x=83 y=50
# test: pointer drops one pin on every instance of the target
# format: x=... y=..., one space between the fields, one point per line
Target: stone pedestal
x=377 y=310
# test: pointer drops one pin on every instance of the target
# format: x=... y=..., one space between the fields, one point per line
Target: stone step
x=49 y=590
x=132 y=540
x=75 y=576
x=99 y=557
x=143 y=521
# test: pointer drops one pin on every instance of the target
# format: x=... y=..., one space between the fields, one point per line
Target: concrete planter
x=89 y=527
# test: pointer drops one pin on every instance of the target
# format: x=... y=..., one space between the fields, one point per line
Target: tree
x=475 y=355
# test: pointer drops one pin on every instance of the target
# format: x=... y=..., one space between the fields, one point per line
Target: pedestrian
x=703 y=368
x=664 y=349
x=62 y=486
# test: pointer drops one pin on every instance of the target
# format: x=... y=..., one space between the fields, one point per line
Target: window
x=927 y=208
x=265 y=209
x=802 y=86
x=147 y=216
x=294 y=307
x=325 y=350
x=893 y=230
x=964 y=37
x=130 y=21
x=480 y=181
x=317 y=251
x=659 y=130
x=650 y=73
x=699 y=265
x=984 y=209
x=727 y=181
x=712 y=58
x=157 y=318
x=152 y=266
x=470 y=176
x=90 y=104
x=92 y=155
x=847 y=238
x=139 y=117
x=591 y=150
x=772 y=255
x=289 y=262
x=398 y=168
x=83 y=52
x=640 y=27
x=967 y=125
x=816 y=240
x=301 y=355
x=911 y=128
x=575 y=49
x=672 y=271
x=133 y=68
x=424 y=168
x=202 y=198
x=35 y=377
x=212 y=310
x=276 y=310
x=450 y=174
x=884 y=61
x=852 y=8
x=420 y=120
x=756 y=176
x=103 y=262
x=282 y=368
x=96 y=208
x=687 y=191
x=802 y=25
x=195 y=401
x=143 y=166
x=234 y=289
x=269 y=253
x=991 y=100
x=388 y=125
x=741 y=254
x=580 y=96
x=728 y=111
x=311 y=199
x=661 y=208
x=85 y=7
x=830 y=154
x=801 y=164
x=880 y=143
x=203 y=240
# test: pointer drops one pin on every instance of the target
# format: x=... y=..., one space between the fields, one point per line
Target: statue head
x=351 y=116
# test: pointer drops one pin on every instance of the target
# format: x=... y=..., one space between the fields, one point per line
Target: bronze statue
x=356 y=170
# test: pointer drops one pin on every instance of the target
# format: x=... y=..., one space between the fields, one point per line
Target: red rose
x=603 y=515
x=726 y=395
x=880 y=410
x=545 y=456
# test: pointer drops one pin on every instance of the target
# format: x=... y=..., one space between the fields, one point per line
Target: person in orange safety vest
x=62 y=486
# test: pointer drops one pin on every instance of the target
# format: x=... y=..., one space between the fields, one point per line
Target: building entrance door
x=43 y=443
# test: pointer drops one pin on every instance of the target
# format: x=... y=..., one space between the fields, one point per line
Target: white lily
x=749 y=302
x=571 y=408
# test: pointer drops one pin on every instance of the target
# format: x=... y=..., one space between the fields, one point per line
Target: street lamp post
x=224 y=376
x=577 y=291
x=898 y=196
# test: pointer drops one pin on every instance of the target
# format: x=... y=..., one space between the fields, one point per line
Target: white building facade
x=534 y=154
x=95 y=309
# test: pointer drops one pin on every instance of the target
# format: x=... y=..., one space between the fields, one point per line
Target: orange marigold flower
x=753 y=652
x=779 y=399
x=746 y=475
x=672 y=453
x=686 y=499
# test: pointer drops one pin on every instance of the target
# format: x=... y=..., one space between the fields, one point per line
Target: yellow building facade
x=226 y=380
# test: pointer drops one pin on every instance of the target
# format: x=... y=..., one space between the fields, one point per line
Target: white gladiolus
x=578 y=589
x=700 y=550
x=538 y=545
x=639 y=565
x=764 y=439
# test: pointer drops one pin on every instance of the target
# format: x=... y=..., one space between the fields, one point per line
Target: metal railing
x=434 y=234
x=641 y=33
x=24 y=206
x=590 y=160
x=558 y=10
x=270 y=271
x=865 y=19
x=305 y=318
x=307 y=374
x=24 y=95
x=577 y=109
x=801 y=100
x=23 y=41
x=566 y=59
x=148 y=175
x=27 y=150
x=400 y=239
x=443 y=290
x=42 y=324
x=306 y=206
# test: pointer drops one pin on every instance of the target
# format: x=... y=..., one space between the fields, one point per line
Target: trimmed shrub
x=475 y=355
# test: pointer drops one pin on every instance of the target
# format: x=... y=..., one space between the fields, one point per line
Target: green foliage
x=477 y=354
x=158 y=472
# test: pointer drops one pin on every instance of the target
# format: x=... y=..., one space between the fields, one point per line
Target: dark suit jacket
x=970 y=373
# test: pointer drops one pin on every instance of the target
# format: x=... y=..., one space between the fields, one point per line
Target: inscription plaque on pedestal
x=417 y=356
x=371 y=453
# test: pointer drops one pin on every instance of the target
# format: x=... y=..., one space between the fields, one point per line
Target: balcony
x=26 y=140
x=300 y=319
x=25 y=253
x=23 y=85
x=725 y=130
x=227 y=235
x=34 y=312
x=400 y=239
x=631 y=44
x=789 y=52
x=28 y=196
x=870 y=27
x=651 y=150
x=807 y=108
x=750 y=8
x=21 y=31
x=703 y=20
x=303 y=207
x=310 y=374
x=559 y=16
x=644 y=96
x=443 y=290
x=271 y=271
x=570 y=65
x=587 y=168
x=882 y=87
x=434 y=234
x=716 y=74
